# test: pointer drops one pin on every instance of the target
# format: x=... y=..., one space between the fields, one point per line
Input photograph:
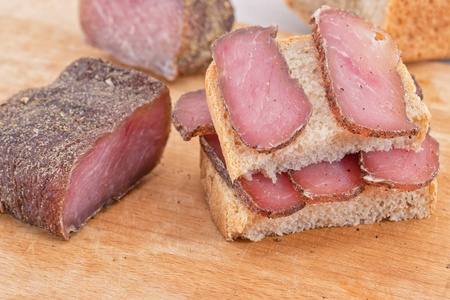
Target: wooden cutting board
x=160 y=242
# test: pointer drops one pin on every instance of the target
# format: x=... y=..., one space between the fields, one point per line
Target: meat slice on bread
x=322 y=130
x=329 y=174
x=235 y=219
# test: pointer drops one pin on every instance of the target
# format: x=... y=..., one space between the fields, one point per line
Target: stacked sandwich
x=315 y=131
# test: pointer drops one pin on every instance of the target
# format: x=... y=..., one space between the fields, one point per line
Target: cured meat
x=267 y=108
x=328 y=182
x=260 y=194
x=191 y=115
x=211 y=146
x=68 y=149
x=359 y=63
x=169 y=37
x=401 y=169
x=271 y=199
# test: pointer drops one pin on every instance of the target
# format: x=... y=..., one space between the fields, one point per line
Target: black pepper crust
x=44 y=131
x=332 y=97
x=203 y=22
x=237 y=186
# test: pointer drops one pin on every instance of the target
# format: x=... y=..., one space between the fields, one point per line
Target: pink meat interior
x=404 y=167
x=271 y=196
x=144 y=33
x=192 y=110
x=328 y=178
x=266 y=106
x=362 y=60
x=115 y=163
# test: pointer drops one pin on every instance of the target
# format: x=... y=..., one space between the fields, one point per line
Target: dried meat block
x=75 y=146
x=169 y=37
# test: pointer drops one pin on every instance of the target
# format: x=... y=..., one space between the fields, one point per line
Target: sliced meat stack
x=75 y=146
x=268 y=109
x=169 y=37
x=329 y=182
x=311 y=132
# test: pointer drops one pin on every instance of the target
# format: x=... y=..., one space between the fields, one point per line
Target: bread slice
x=419 y=27
x=322 y=139
x=235 y=220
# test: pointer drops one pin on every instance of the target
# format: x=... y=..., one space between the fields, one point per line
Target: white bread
x=235 y=220
x=419 y=27
x=323 y=138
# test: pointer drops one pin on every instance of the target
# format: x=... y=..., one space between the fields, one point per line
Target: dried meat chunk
x=169 y=37
x=75 y=146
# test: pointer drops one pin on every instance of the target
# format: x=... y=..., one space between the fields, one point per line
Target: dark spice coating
x=237 y=186
x=203 y=22
x=332 y=97
x=44 y=131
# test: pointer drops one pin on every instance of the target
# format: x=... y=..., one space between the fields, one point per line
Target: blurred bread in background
x=421 y=28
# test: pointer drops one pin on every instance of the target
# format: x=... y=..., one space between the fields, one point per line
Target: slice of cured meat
x=328 y=182
x=167 y=37
x=267 y=108
x=260 y=194
x=359 y=63
x=191 y=115
x=270 y=199
x=401 y=169
x=211 y=146
x=68 y=149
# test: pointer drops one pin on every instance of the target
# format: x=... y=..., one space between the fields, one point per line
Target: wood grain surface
x=160 y=242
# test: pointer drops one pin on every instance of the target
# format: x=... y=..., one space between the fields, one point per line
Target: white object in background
x=267 y=12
